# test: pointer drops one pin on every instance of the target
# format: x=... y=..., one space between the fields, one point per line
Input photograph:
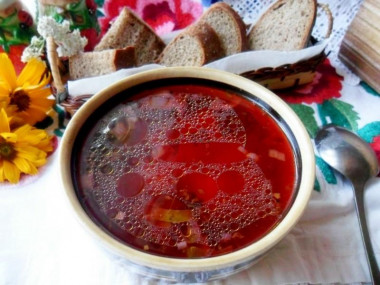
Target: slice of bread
x=95 y=63
x=285 y=26
x=228 y=26
x=195 y=46
x=129 y=30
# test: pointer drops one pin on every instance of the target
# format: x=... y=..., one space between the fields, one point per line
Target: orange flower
x=26 y=96
x=22 y=150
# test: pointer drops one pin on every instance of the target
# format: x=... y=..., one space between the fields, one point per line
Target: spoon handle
x=359 y=201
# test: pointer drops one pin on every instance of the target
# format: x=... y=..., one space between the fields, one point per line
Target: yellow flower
x=27 y=95
x=22 y=150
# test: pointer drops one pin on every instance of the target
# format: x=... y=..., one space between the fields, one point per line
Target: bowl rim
x=245 y=254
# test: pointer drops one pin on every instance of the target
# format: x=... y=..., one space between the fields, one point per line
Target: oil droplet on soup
x=190 y=171
x=130 y=184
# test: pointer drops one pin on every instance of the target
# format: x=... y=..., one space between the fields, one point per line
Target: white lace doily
x=343 y=12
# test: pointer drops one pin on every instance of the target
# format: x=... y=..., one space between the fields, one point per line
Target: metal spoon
x=355 y=159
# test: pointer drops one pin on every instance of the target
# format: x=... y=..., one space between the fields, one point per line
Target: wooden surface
x=360 y=49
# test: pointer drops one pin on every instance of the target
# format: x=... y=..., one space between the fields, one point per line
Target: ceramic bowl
x=182 y=269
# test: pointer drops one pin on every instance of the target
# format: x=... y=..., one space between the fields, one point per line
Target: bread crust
x=210 y=40
x=129 y=30
x=207 y=40
x=125 y=58
x=277 y=5
x=95 y=63
x=240 y=30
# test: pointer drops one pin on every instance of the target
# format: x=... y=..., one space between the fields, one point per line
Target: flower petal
x=23 y=130
x=32 y=73
x=7 y=71
x=2 y=177
x=4 y=122
x=42 y=103
x=30 y=145
x=32 y=116
x=11 y=172
x=25 y=166
x=45 y=80
x=30 y=136
x=46 y=145
x=4 y=89
x=39 y=93
x=30 y=153
x=9 y=137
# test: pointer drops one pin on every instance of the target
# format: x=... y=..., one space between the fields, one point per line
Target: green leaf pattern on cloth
x=307 y=114
x=14 y=32
x=79 y=11
x=58 y=131
x=323 y=105
x=369 y=89
x=370 y=131
x=76 y=13
x=317 y=186
x=99 y=3
x=340 y=113
x=326 y=170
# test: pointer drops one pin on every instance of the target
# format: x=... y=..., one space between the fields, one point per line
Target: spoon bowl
x=347 y=153
x=355 y=159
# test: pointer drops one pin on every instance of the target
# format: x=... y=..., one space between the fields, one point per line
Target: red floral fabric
x=327 y=84
x=14 y=54
x=376 y=147
x=162 y=15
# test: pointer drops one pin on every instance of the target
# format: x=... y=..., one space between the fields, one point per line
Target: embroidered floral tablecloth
x=42 y=243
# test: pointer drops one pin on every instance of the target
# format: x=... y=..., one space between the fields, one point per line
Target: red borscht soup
x=183 y=170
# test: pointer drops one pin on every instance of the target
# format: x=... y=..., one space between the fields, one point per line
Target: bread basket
x=292 y=71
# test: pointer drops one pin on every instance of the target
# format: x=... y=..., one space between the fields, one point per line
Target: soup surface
x=184 y=170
